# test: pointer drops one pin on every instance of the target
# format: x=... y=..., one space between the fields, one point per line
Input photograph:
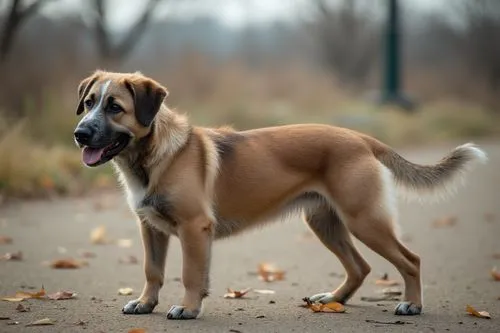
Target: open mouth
x=93 y=156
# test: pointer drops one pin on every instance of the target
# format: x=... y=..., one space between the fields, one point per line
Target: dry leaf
x=236 y=293
x=447 y=221
x=137 y=330
x=67 y=263
x=392 y=291
x=14 y=256
x=124 y=242
x=329 y=307
x=41 y=322
x=62 y=250
x=384 y=281
x=62 y=295
x=4 y=318
x=125 y=291
x=480 y=314
x=379 y=298
x=98 y=235
x=87 y=254
x=495 y=274
x=22 y=308
x=269 y=272
x=22 y=295
x=5 y=240
x=264 y=291
x=131 y=260
x=12 y=299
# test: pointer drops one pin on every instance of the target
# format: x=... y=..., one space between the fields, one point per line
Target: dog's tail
x=433 y=181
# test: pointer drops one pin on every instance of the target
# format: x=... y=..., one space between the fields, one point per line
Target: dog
x=202 y=184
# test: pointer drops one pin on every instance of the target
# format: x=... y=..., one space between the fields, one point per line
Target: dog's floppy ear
x=83 y=90
x=148 y=96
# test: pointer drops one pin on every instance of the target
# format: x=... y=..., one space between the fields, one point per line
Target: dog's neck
x=168 y=133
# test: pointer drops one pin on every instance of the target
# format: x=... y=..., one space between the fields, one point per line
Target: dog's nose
x=83 y=135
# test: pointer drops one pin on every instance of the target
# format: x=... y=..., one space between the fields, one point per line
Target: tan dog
x=201 y=184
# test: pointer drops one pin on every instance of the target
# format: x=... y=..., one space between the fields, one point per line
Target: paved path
x=456 y=264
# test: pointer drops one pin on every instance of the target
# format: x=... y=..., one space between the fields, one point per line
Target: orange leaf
x=332 y=307
x=22 y=295
x=495 y=274
x=480 y=314
x=384 y=281
x=5 y=240
x=236 y=293
x=137 y=330
x=67 y=263
x=447 y=221
x=268 y=273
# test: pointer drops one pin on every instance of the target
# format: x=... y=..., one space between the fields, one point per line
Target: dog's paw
x=324 y=298
x=180 y=312
x=407 y=309
x=138 y=307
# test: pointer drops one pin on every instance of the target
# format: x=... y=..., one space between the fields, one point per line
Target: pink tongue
x=91 y=155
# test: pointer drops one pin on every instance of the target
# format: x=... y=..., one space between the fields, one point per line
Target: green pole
x=391 y=93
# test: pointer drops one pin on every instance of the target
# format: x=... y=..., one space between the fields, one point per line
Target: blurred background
x=247 y=63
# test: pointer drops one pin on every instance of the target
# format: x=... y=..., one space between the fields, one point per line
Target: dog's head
x=119 y=108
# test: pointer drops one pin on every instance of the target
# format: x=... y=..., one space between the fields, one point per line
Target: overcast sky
x=234 y=13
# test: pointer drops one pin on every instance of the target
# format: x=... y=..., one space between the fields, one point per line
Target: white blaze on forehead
x=93 y=112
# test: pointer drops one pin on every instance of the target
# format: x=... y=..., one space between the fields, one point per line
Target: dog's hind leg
x=331 y=231
x=155 y=245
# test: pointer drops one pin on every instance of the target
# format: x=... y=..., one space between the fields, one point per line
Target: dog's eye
x=89 y=103
x=115 y=108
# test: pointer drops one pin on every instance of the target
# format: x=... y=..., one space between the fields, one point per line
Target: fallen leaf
x=12 y=256
x=80 y=323
x=67 y=263
x=379 y=298
x=480 y=314
x=12 y=299
x=264 y=291
x=5 y=240
x=22 y=295
x=446 y=221
x=269 y=272
x=41 y=322
x=22 y=308
x=98 y=235
x=62 y=295
x=124 y=242
x=62 y=250
x=87 y=254
x=130 y=260
x=495 y=274
x=392 y=291
x=137 y=330
x=334 y=307
x=397 y=322
x=384 y=281
x=236 y=293
x=125 y=291
x=4 y=318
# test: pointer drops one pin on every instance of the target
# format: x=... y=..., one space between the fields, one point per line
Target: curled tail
x=440 y=179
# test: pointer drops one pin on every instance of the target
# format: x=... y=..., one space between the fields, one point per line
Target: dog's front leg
x=155 y=252
x=196 y=242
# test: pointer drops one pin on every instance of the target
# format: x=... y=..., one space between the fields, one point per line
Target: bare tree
x=18 y=13
x=116 y=52
x=482 y=39
x=348 y=38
